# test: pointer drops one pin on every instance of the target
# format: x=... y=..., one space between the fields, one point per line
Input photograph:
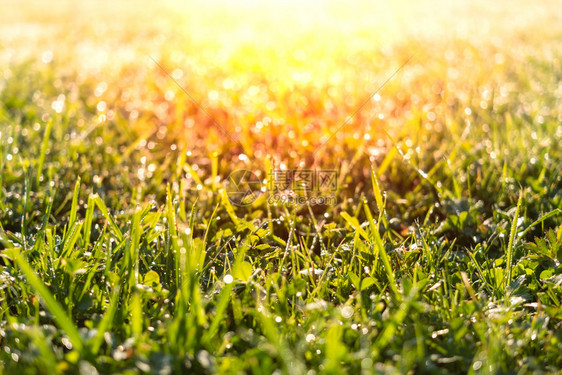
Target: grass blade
x=510 y=245
x=61 y=318
x=43 y=152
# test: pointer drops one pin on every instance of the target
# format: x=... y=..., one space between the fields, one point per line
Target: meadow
x=122 y=130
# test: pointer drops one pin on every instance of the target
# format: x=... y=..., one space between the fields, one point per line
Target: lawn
x=280 y=188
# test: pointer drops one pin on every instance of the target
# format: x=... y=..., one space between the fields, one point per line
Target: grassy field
x=123 y=251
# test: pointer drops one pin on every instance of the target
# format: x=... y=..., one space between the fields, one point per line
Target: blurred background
x=280 y=77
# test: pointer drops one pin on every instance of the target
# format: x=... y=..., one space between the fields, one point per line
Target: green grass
x=442 y=254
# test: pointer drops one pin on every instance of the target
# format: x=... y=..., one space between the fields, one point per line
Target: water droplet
x=477 y=365
x=47 y=57
x=347 y=312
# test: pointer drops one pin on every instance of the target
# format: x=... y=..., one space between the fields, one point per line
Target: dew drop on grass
x=66 y=342
x=177 y=73
x=228 y=279
x=47 y=57
x=477 y=365
x=347 y=312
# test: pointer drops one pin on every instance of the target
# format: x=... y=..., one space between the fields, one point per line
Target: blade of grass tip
x=481 y=274
x=548 y=215
x=386 y=161
x=88 y=223
x=317 y=228
x=70 y=241
x=504 y=174
x=386 y=262
x=229 y=209
x=49 y=237
x=171 y=213
x=378 y=197
x=173 y=260
x=74 y=207
x=60 y=316
x=191 y=222
x=466 y=282
x=374 y=227
x=354 y=223
x=132 y=250
x=208 y=225
x=512 y=241
x=41 y=234
x=427 y=252
x=182 y=207
x=288 y=245
x=105 y=213
x=43 y=152
x=24 y=214
x=179 y=164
